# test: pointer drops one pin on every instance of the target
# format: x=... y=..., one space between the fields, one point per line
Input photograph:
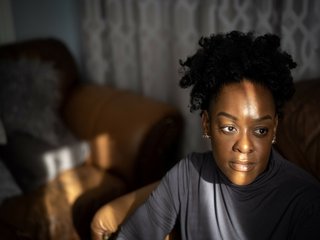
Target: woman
x=243 y=188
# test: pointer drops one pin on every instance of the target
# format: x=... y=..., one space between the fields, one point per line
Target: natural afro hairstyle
x=232 y=57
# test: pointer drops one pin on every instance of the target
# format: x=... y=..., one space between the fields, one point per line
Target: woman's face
x=242 y=123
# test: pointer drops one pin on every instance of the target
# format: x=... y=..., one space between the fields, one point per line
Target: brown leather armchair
x=298 y=139
x=133 y=141
x=298 y=135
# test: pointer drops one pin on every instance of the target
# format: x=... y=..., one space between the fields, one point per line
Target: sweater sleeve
x=157 y=216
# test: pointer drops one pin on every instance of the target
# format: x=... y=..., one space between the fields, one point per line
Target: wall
x=6 y=24
x=47 y=18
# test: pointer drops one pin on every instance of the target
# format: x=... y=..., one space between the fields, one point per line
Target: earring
x=206 y=136
x=274 y=139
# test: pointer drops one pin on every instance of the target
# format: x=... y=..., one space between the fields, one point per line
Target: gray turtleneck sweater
x=282 y=203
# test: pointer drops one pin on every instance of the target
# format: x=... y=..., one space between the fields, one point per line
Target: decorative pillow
x=8 y=186
x=39 y=144
x=30 y=98
x=34 y=162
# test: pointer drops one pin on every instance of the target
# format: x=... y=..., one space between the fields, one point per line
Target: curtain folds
x=137 y=44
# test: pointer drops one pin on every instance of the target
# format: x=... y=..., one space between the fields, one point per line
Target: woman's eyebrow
x=266 y=117
x=228 y=115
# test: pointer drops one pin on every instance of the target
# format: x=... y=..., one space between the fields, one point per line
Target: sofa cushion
x=30 y=99
x=8 y=186
x=63 y=208
x=33 y=162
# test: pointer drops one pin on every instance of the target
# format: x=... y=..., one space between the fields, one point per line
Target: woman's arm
x=157 y=216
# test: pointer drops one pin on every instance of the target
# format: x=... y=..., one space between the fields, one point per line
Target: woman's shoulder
x=199 y=156
x=197 y=159
x=194 y=165
x=194 y=168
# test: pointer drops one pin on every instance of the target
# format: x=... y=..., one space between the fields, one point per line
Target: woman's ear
x=205 y=120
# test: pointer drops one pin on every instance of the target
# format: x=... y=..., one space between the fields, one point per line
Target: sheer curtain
x=136 y=44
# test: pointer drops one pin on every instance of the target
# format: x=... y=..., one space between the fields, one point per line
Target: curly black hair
x=232 y=57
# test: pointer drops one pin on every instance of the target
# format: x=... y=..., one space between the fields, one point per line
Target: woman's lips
x=242 y=166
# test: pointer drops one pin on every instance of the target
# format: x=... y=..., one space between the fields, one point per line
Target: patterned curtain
x=136 y=44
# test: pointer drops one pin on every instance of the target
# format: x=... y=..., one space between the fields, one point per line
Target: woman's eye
x=261 y=131
x=228 y=129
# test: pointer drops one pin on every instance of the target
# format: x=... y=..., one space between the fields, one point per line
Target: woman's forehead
x=246 y=96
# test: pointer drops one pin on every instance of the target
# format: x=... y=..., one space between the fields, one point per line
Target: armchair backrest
x=298 y=134
x=45 y=49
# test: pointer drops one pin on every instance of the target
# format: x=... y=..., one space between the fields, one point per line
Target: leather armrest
x=298 y=135
x=130 y=135
x=108 y=218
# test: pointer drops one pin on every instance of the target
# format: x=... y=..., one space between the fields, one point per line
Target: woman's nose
x=243 y=144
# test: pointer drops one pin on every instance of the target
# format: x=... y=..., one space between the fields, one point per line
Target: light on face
x=242 y=122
